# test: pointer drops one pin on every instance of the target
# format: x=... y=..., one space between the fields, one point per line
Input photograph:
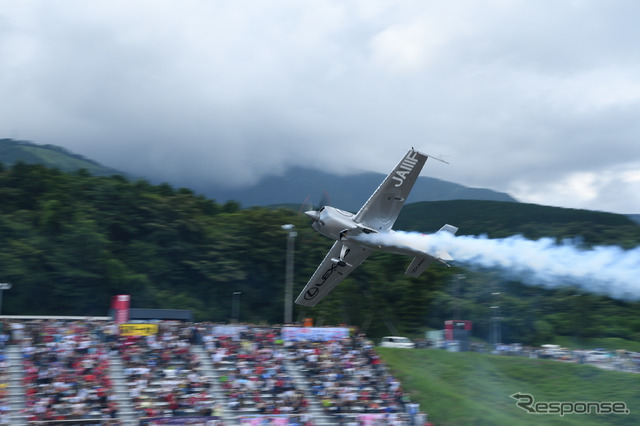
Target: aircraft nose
x=313 y=214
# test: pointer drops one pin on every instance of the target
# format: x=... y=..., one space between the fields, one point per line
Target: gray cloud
x=537 y=99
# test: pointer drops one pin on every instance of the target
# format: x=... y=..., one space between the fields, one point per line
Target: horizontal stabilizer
x=444 y=256
x=418 y=266
x=448 y=228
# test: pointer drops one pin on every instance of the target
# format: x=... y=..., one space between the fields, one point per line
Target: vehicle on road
x=396 y=342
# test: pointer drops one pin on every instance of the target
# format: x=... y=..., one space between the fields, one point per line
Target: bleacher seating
x=253 y=375
x=351 y=381
x=66 y=373
x=4 y=387
x=164 y=377
x=66 y=366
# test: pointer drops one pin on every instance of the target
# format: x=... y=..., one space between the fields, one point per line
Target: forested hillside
x=70 y=241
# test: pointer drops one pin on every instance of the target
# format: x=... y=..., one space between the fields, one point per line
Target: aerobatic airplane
x=359 y=235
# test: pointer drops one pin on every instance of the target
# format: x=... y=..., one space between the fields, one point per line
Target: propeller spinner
x=313 y=214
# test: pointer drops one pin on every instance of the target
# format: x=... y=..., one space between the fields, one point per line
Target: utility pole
x=288 y=288
x=459 y=278
x=495 y=320
x=236 y=306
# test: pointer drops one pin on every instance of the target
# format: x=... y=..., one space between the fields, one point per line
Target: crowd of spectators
x=164 y=376
x=252 y=372
x=4 y=387
x=66 y=374
x=65 y=371
x=351 y=381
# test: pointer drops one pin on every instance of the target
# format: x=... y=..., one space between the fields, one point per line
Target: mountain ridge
x=296 y=186
x=309 y=187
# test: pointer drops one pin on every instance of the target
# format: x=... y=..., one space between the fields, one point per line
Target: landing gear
x=340 y=261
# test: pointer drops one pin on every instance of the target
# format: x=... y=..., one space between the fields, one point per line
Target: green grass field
x=474 y=389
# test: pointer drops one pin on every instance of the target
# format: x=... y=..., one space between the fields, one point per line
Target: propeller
x=312 y=210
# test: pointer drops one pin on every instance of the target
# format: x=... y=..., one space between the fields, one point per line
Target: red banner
x=120 y=304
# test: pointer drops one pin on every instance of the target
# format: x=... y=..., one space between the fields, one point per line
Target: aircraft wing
x=329 y=274
x=383 y=207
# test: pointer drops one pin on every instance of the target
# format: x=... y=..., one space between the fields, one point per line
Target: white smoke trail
x=606 y=270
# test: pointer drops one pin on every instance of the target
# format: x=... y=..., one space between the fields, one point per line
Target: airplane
x=358 y=235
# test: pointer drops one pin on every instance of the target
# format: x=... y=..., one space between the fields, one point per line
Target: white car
x=597 y=356
x=396 y=342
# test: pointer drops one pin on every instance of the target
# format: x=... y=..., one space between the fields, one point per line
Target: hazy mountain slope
x=345 y=192
x=12 y=151
x=296 y=186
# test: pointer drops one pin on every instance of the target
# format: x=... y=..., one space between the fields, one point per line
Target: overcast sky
x=540 y=99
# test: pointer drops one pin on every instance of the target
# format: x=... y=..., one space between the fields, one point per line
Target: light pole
x=495 y=320
x=456 y=312
x=236 y=306
x=3 y=287
x=288 y=288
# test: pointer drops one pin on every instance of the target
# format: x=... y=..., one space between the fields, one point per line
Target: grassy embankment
x=474 y=389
